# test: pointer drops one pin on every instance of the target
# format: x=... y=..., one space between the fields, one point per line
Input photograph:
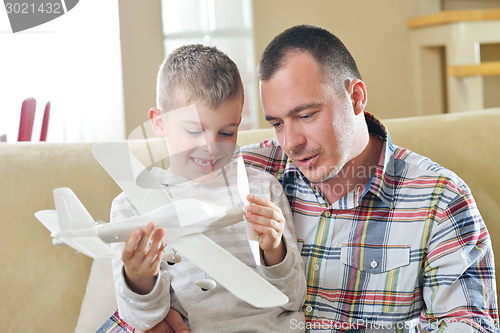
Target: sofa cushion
x=99 y=302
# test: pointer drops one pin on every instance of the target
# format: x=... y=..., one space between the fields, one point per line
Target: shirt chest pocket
x=381 y=273
x=375 y=259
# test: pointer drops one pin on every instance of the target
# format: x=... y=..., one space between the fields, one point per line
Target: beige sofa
x=43 y=286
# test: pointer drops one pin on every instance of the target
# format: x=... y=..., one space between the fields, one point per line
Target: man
x=388 y=237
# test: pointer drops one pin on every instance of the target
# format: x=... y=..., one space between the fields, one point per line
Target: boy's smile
x=204 y=163
x=201 y=139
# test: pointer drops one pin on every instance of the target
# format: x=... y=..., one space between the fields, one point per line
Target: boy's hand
x=142 y=260
x=268 y=222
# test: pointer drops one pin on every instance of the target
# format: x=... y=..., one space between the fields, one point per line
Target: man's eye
x=226 y=134
x=276 y=125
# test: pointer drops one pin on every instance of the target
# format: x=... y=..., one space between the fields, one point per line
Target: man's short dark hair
x=336 y=62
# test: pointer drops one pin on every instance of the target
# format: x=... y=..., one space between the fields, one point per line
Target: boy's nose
x=213 y=147
x=211 y=142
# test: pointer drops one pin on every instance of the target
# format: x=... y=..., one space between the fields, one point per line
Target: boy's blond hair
x=197 y=73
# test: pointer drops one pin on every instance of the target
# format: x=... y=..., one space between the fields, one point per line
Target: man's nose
x=292 y=136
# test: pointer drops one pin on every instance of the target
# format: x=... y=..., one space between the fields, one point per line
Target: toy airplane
x=184 y=222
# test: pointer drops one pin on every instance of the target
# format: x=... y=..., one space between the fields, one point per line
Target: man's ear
x=156 y=119
x=357 y=93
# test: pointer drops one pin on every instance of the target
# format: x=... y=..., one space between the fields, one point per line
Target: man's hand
x=268 y=222
x=142 y=260
x=172 y=323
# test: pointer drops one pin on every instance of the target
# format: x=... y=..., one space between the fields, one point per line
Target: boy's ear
x=156 y=122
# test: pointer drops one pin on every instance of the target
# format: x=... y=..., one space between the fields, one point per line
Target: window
x=74 y=61
x=226 y=24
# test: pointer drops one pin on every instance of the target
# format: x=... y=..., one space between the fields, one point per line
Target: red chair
x=45 y=122
x=27 y=118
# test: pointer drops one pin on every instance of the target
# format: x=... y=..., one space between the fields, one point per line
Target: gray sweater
x=215 y=310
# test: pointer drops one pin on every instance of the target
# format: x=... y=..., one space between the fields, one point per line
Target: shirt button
x=316 y=267
x=327 y=213
x=373 y=264
x=309 y=309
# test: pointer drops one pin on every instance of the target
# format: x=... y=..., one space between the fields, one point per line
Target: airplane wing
x=48 y=219
x=70 y=211
x=93 y=247
x=133 y=178
x=243 y=191
x=242 y=181
x=147 y=194
x=70 y=214
x=231 y=273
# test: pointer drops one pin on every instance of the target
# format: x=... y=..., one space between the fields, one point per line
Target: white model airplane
x=184 y=222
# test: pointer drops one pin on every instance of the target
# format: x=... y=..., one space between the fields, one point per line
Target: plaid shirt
x=410 y=244
x=115 y=324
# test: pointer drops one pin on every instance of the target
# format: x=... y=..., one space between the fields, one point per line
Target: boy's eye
x=194 y=132
x=226 y=134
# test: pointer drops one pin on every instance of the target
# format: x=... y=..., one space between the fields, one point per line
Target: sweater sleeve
x=288 y=276
x=139 y=311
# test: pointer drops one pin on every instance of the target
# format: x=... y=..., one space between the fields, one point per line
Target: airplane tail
x=70 y=214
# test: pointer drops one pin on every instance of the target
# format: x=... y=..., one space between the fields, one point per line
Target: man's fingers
x=162 y=327
x=174 y=320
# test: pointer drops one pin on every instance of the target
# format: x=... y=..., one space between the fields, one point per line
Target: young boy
x=200 y=99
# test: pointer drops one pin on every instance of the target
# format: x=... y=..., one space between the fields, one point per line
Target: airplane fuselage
x=179 y=219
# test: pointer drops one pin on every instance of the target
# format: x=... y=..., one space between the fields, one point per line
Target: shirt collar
x=290 y=167
x=377 y=184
